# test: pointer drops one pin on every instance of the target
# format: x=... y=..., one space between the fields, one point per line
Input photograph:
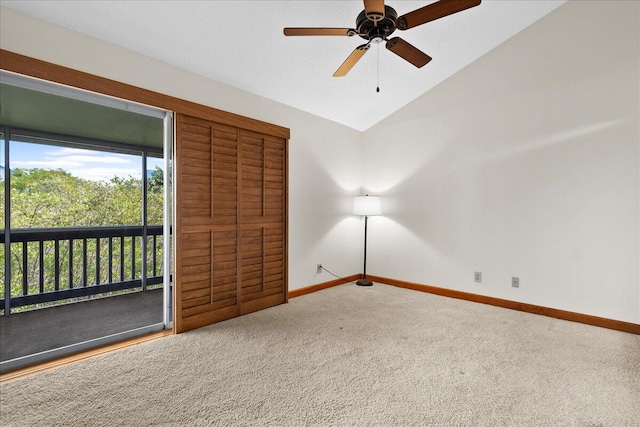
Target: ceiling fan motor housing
x=369 y=29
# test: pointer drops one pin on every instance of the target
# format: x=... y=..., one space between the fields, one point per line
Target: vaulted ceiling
x=241 y=44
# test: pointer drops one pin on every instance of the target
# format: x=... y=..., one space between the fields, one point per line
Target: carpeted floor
x=351 y=356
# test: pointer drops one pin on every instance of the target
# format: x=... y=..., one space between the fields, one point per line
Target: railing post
x=133 y=257
x=25 y=267
x=56 y=279
x=70 y=263
x=110 y=259
x=97 y=260
x=122 y=258
x=41 y=262
x=154 y=264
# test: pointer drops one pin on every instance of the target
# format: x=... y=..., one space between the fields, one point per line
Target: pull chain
x=378 y=73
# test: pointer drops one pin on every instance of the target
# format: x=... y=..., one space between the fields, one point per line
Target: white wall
x=324 y=157
x=526 y=163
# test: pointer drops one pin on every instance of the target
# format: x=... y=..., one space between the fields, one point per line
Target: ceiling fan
x=378 y=21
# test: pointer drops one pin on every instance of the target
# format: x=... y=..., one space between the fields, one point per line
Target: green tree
x=156 y=181
x=46 y=198
x=155 y=196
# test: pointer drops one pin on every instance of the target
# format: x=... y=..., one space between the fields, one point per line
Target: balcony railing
x=56 y=264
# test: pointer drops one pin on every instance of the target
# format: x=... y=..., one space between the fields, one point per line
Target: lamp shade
x=367 y=205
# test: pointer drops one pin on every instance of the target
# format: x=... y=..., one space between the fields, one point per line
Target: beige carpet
x=351 y=356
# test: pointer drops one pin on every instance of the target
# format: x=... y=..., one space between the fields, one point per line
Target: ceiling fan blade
x=408 y=52
x=434 y=11
x=348 y=63
x=374 y=9
x=319 y=32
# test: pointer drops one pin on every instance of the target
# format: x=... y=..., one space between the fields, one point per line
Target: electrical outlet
x=318 y=268
x=515 y=282
x=477 y=277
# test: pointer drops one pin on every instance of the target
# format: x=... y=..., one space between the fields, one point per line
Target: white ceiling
x=241 y=44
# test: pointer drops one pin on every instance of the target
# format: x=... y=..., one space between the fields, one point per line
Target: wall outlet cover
x=515 y=282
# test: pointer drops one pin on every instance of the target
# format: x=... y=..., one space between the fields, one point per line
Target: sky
x=88 y=164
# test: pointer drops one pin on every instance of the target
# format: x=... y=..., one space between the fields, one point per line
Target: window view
x=155 y=189
x=53 y=186
x=80 y=211
x=84 y=230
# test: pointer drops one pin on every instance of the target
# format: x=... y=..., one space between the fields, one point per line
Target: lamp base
x=364 y=282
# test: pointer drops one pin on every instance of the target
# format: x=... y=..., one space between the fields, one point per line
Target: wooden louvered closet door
x=262 y=206
x=231 y=222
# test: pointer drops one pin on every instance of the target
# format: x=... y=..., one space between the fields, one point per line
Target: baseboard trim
x=320 y=286
x=88 y=354
x=587 y=319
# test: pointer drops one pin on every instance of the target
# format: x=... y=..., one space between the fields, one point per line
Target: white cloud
x=96 y=159
x=92 y=165
x=105 y=174
x=63 y=151
x=44 y=164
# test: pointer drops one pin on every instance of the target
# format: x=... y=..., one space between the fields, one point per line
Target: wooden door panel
x=262 y=190
x=265 y=301
x=206 y=213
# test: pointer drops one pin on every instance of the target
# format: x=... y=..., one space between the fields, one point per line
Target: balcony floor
x=30 y=332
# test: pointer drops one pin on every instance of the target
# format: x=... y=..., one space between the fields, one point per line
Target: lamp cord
x=335 y=275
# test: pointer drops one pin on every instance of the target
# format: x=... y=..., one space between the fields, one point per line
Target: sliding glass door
x=86 y=234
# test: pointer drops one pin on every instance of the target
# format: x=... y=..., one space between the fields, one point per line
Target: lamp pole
x=364 y=281
x=366 y=206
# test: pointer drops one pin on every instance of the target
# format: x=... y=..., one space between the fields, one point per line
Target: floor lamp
x=366 y=205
